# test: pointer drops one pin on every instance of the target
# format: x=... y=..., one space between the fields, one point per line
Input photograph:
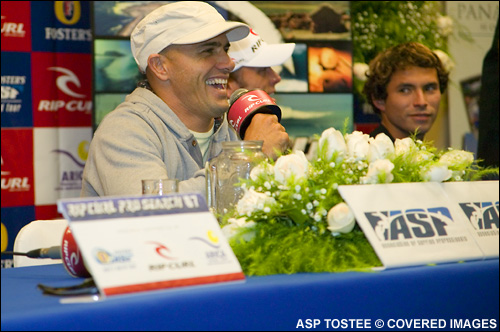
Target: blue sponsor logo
x=410 y=224
x=104 y=257
x=16 y=90
x=482 y=215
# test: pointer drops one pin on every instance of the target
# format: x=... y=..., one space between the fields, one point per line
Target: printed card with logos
x=478 y=203
x=141 y=243
x=411 y=223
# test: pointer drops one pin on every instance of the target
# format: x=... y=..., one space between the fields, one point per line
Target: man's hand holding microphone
x=255 y=116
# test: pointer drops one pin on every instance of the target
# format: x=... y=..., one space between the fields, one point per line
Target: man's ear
x=157 y=67
x=379 y=103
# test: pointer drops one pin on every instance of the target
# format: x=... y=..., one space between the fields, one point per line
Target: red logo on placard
x=16 y=26
x=62 y=90
x=17 y=167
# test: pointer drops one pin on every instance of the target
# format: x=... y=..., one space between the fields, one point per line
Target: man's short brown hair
x=400 y=57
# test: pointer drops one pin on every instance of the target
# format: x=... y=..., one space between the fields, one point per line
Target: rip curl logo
x=174 y=262
x=162 y=250
x=410 y=224
x=251 y=98
x=482 y=215
x=63 y=80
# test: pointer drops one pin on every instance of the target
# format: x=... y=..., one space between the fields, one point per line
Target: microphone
x=244 y=104
x=52 y=252
x=68 y=252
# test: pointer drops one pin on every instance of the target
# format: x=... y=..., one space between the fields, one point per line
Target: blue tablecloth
x=459 y=292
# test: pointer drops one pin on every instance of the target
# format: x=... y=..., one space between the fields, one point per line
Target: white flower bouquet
x=292 y=218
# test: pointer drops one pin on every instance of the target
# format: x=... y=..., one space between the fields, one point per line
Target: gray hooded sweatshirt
x=144 y=139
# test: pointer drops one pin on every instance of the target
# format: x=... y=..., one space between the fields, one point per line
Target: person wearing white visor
x=253 y=59
x=174 y=121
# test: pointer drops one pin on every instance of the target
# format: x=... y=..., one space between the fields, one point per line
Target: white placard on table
x=141 y=243
x=477 y=201
x=411 y=223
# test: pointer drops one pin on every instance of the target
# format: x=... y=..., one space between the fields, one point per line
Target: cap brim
x=271 y=55
x=234 y=31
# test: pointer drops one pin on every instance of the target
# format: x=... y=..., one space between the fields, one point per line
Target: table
x=455 y=291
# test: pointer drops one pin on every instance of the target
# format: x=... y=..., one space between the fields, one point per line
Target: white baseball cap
x=183 y=22
x=253 y=51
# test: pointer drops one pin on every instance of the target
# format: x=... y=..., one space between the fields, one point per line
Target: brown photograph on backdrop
x=309 y=20
x=330 y=68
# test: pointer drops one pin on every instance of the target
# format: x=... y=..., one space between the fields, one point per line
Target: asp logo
x=410 y=224
x=482 y=215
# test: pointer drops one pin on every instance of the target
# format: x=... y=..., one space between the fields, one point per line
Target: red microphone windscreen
x=245 y=104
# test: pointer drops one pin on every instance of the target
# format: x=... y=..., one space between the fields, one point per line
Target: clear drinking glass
x=159 y=186
x=225 y=171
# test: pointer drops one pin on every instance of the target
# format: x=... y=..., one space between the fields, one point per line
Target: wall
x=477 y=19
x=46 y=109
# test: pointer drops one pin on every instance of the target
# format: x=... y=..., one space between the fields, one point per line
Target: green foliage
x=280 y=250
x=378 y=25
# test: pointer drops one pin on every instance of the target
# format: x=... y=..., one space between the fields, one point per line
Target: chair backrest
x=39 y=234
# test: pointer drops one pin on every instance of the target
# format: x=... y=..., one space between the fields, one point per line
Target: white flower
x=457 y=158
x=377 y=169
x=340 y=219
x=381 y=147
x=422 y=155
x=335 y=141
x=436 y=173
x=253 y=201
x=448 y=64
x=357 y=145
x=404 y=146
x=263 y=168
x=444 y=25
x=235 y=226
x=359 y=70
x=295 y=163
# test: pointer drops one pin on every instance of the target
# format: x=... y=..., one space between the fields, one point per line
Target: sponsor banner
x=142 y=243
x=411 y=223
x=16 y=89
x=16 y=27
x=62 y=89
x=63 y=151
x=477 y=202
x=13 y=219
x=17 y=167
x=61 y=26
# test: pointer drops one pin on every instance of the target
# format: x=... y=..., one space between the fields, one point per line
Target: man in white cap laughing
x=173 y=122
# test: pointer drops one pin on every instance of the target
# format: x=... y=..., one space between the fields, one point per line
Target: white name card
x=411 y=223
x=141 y=243
x=478 y=204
